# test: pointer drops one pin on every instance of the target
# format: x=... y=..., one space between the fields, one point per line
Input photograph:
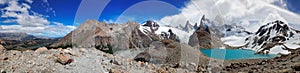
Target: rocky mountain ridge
x=114 y=36
x=17 y=36
x=274 y=37
x=23 y=41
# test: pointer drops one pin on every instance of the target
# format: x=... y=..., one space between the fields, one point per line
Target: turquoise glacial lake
x=235 y=54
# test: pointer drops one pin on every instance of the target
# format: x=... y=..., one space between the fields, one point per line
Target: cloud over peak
x=249 y=13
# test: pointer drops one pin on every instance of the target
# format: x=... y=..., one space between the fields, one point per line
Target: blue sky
x=55 y=18
x=65 y=10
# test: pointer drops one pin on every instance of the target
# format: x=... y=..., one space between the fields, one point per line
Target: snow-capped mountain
x=188 y=27
x=234 y=30
x=205 y=37
x=274 y=37
x=181 y=34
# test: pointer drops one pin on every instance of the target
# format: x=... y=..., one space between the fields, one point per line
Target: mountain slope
x=180 y=34
x=93 y=33
x=117 y=36
x=274 y=37
x=16 y=36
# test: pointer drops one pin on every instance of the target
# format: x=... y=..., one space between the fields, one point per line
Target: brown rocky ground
x=84 y=60
x=284 y=64
x=79 y=60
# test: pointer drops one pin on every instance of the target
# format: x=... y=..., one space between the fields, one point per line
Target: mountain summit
x=274 y=37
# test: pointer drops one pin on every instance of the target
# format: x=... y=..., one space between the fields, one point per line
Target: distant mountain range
x=208 y=34
x=16 y=36
x=23 y=41
x=274 y=37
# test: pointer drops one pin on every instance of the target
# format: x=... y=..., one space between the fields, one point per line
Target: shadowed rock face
x=93 y=33
x=188 y=27
x=139 y=39
x=204 y=38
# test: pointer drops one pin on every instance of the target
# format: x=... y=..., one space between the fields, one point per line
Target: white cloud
x=249 y=13
x=109 y=21
x=2 y=1
x=30 y=1
x=49 y=31
x=20 y=11
x=58 y=23
x=29 y=21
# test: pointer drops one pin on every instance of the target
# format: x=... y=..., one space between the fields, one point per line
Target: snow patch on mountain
x=183 y=35
x=247 y=13
x=234 y=40
x=278 y=49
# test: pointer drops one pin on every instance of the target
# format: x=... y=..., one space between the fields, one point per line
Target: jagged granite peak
x=203 y=38
x=188 y=27
x=203 y=26
x=202 y=21
x=195 y=26
x=275 y=37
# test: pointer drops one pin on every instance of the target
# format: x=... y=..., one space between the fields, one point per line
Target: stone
x=193 y=65
x=41 y=50
x=63 y=59
x=68 y=51
x=296 y=59
x=3 y=71
x=296 y=68
x=114 y=62
x=144 y=57
x=113 y=70
x=5 y=58
x=161 y=70
x=60 y=49
x=82 y=50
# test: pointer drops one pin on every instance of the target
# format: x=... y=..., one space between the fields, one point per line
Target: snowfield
x=183 y=35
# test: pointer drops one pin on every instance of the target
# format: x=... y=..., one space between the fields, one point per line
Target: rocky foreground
x=283 y=64
x=80 y=60
x=83 y=60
